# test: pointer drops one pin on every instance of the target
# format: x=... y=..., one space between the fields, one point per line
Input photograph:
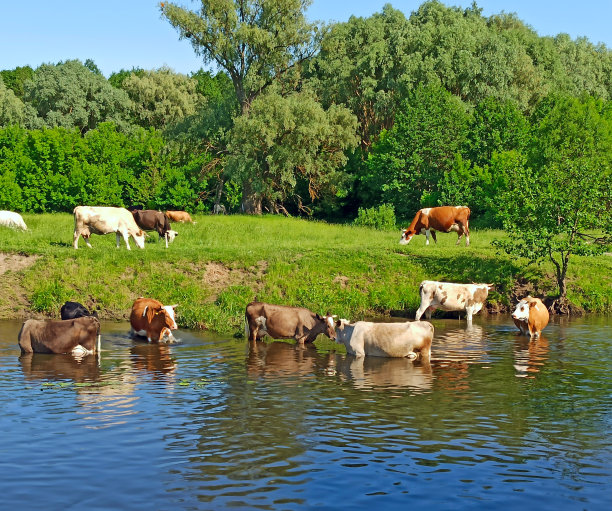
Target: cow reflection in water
x=461 y=344
x=282 y=359
x=38 y=366
x=385 y=373
x=529 y=356
x=154 y=358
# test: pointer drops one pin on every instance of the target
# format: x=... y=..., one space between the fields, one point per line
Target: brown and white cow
x=152 y=220
x=104 y=220
x=451 y=297
x=179 y=216
x=78 y=336
x=531 y=316
x=404 y=339
x=444 y=219
x=284 y=322
x=151 y=319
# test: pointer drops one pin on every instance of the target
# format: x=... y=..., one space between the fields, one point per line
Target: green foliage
x=70 y=95
x=564 y=190
x=11 y=107
x=283 y=139
x=406 y=165
x=15 y=79
x=117 y=78
x=382 y=217
x=161 y=97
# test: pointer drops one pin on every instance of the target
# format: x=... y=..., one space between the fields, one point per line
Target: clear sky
x=122 y=34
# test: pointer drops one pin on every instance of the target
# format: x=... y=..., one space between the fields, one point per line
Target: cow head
x=328 y=321
x=407 y=235
x=521 y=313
x=139 y=238
x=344 y=330
x=171 y=235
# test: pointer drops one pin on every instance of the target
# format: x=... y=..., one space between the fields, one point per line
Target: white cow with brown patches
x=531 y=316
x=104 y=220
x=452 y=297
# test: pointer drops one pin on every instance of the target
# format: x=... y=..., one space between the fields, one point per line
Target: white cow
x=385 y=339
x=104 y=220
x=452 y=297
x=12 y=220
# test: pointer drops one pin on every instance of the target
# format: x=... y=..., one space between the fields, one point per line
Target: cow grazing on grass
x=444 y=219
x=283 y=322
x=179 y=216
x=72 y=310
x=152 y=220
x=452 y=297
x=104 y=220
x=12 y=220
x=151 y=319
x=385 y=339
x=530 y=316
x=78 y=336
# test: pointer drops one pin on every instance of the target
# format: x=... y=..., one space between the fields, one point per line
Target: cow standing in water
x=531 y=316
x=78 y=336
x=151 y=319
x=444 y=219
x=452 y=297
x=284 y=322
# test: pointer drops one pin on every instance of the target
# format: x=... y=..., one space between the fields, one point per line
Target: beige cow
x=104 y=220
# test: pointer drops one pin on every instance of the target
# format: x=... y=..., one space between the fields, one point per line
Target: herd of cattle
x=78 y=330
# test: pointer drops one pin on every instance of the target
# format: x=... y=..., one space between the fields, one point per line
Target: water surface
x=492 y=421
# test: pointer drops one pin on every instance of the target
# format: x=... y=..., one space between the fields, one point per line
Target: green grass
x=215 y=267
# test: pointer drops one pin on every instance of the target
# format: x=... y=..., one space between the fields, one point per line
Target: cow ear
x=318 y=316
x=532 y=304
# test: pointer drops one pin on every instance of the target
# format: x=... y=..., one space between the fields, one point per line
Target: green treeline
x=441 y=106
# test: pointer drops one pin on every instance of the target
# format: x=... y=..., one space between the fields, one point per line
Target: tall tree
x=287 y=139
x=257 y=42
x=15 y=79
x=11 y=107
x=552 y=201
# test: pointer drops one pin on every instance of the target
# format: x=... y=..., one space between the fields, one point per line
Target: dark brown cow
x=283 y=322
x=77 y=336
x=152 y=220
x=443 y=219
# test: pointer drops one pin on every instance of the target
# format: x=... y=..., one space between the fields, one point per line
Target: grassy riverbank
x=215 y=267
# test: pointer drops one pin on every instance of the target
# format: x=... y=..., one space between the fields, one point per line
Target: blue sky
x=122 y=34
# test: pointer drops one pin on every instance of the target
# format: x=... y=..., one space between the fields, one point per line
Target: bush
x=381 y=218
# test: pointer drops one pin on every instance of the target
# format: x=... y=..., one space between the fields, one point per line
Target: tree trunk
x=251 y=201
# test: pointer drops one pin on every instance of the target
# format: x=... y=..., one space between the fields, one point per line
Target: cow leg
x=126 y=237
x=166 y=238
x=433 y=235
x=75 y=239
x=468 y=314
x=459 y=234
x=427 y=236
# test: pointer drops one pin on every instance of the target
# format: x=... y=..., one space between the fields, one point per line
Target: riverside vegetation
x=216 y=266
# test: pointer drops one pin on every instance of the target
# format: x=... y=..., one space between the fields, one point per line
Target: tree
x=11 y=107
x=70 y=95
x=117 y=78
x=15 y=79
x=161 y=97
x=362 y=65
x=564 y=189
x=286 y=139
x=257 y=42
x=406 y=165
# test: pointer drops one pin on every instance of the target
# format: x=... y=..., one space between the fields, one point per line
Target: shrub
x=382 y=217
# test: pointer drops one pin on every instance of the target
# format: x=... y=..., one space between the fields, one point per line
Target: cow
x=151 y=319
x=104 y=220
x=284 y=322
x=12 y=220
x=530 y=316
x=452 y=297
x=179 y=216
x=72 y=310
x=78 y=336
x=386 y=339
x=443 y=219
x=152 y=220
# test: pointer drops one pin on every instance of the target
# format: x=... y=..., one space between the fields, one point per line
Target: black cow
x=73 y=310
x=152 y=220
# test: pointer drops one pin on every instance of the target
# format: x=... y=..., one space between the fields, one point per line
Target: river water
x=492 y=422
